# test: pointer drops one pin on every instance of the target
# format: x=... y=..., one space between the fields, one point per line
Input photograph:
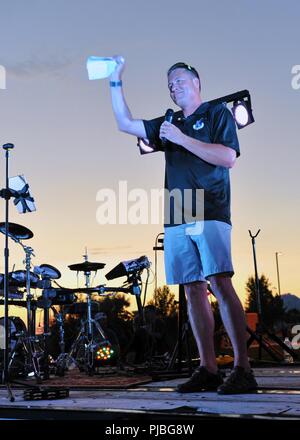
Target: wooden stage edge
x=277 y=399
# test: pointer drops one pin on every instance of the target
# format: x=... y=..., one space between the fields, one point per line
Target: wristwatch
x=115 y=83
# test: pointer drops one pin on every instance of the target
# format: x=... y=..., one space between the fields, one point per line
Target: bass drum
x=15 y=327
x=16 y=366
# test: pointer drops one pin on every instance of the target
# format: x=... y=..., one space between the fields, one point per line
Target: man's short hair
x=185 y=66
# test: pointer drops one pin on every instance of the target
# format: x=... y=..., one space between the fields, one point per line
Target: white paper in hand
x=100 y=67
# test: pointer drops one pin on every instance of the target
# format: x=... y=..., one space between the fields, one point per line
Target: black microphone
x=168 y=117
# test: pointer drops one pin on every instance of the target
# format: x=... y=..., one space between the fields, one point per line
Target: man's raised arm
x=121 y=111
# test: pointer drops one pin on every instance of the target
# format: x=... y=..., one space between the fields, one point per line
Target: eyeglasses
x=183 y=66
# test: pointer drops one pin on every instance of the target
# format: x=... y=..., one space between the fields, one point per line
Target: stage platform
x=115 y=399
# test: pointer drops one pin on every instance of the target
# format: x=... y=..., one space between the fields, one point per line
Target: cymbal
x=47 y=271
x=86 y=266
x=16 y=231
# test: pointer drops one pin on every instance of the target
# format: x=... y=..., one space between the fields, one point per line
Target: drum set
x=29 y=352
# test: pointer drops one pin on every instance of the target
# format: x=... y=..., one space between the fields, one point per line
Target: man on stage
x=200 y=146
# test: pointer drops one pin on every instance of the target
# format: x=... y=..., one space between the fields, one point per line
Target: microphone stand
x=6 y=194
x=261 y=329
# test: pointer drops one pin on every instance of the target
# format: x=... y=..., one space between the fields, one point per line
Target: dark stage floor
x=115 y=397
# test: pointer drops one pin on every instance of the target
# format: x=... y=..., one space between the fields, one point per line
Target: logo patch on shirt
x=198 y=124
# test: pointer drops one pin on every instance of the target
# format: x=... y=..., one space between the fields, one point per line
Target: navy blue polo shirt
x=186 y=171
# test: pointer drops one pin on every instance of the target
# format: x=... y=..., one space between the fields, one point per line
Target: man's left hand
x=171 y=132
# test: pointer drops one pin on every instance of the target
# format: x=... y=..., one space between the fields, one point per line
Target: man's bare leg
x=233 y=317
x=202 y=323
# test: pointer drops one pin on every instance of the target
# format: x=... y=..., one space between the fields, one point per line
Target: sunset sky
x=68 y=147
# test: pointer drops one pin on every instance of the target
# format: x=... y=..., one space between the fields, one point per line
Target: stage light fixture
x=242 y=113
x=104 y=351
x=241 y=110
x=144 y=146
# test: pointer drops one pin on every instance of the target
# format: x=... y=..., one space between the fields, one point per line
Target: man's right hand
x=118 y=72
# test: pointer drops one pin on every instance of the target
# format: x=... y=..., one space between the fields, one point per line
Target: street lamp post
x=277 y=267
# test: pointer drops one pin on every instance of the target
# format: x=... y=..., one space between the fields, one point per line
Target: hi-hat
x=86 y=266
x=16 y=231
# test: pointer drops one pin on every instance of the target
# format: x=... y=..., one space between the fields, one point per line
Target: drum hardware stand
x=135 y=289
x=261 y=328
x=90 y=346
x=59 y=320
x=32 y=356
x=86 y=334
x=30 y=313
x=29 y=341
x=62 y=359
x=133 y=286
x=135 y=282
x=86 y=337
x=47 y=294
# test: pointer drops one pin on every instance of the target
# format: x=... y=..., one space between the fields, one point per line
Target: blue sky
x=68 y=146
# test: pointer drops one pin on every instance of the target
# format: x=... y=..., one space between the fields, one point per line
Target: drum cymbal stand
x=63 y=359
x=30 y=313
x=29 y=341
x=85 y=346
x=48 y=293
x=82 y=352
